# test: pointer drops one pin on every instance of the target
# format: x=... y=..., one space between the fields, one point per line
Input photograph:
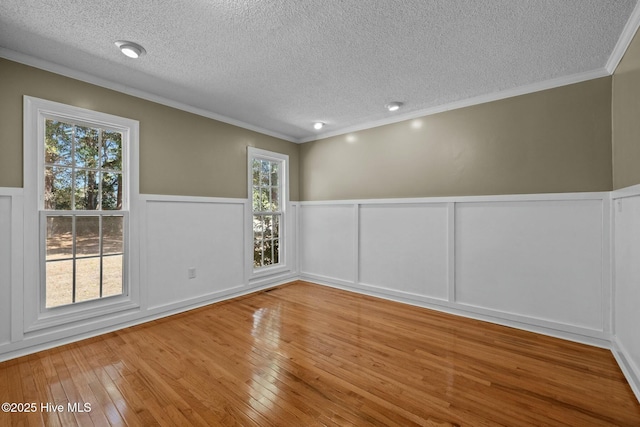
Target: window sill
x=82 y=311
x=269 y=271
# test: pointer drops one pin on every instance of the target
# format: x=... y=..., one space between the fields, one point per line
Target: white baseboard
x=566 y=332
x=629 y=369
x=71 y=335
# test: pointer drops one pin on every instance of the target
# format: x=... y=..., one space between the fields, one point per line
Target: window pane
x=86 y=190
x=256 y=199
x=267 y=257
x=257 y=226
x=255 y=172
x=276 y=251
x=267 y=224
x=275 y=200
x=111 y=191
x=87 y=236
x=57 y=188
x=58 y=141
x=275 y=171
x=257 y=252
x=112 y=235
x=59 y=239
x=276 y=226
x=264 y=199
x=112 y=269
x=59 y=287
x=87 y=279
x=264 y=173
x=111 y=150
x=86 y=147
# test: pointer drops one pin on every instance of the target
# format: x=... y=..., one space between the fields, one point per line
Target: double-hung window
x=268 y=192
x=78 y=169
x=83 y=214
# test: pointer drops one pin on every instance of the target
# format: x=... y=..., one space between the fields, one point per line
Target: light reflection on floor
x=266 y=338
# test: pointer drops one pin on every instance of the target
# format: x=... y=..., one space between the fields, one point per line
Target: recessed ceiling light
x=393 y=106
x=318 y=125
x=130 y=49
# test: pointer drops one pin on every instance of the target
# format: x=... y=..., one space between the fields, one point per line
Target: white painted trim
x=17 y=266
x=576 y=334
x=454 y=307
x=356 y=243
x=296 y=238
x=630 y=370
x=11 y=191
x=80 y=332
x=628 y=366
x=628 y=32
x=285 y=276
x=607 y=267
x=98 y=81
x=598 y=332
x=143 y=244
x=146 y=198
x=285 y=258
x=199 y=299
x=481 y=99
x=451 y=251
x=35 y=316
x=625 y=192
x=466 y=199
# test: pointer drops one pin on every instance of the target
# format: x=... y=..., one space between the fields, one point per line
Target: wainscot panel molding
x=176 y=234
x=206 y=236
x=626 y=260
x=327 y=241
x=564 y=265
x=538 y=262
x=11 y=228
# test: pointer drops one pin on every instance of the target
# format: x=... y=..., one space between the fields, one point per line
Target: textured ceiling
x=279 y=65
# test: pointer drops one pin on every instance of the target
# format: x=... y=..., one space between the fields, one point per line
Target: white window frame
x=283 y=265
x=37 y=316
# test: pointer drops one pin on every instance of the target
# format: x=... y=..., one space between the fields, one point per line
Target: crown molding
x=98 y=81
x=481 y=99
x=628 y=32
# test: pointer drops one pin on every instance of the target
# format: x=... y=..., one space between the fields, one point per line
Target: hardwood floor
x=305 y=355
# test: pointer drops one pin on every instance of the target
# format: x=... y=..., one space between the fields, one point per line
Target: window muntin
x=82 y=208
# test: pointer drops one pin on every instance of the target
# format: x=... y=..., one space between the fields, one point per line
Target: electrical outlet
x=191 y=273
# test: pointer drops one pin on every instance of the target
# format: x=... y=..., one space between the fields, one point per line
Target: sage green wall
x=625 y=111
x=557 y=140
x=180 y=153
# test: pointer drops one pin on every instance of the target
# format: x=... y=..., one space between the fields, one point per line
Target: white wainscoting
x=6 y=219
x=538 y=262
x=538 y=259
x=205 y=234
x=626 y=251
x=11 y=264
x=403 y=247
x=327 y=241
x=177 y=233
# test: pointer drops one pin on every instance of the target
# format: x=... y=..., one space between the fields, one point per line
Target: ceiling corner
x=628 y=32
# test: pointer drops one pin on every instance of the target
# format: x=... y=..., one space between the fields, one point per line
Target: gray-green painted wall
x=180 y=153
x=553 y=141
x=625 y=111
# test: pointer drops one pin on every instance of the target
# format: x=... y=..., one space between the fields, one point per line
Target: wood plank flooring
x=307 y=355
